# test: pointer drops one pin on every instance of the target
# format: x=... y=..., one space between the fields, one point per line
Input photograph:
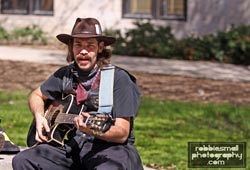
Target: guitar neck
x=66 y=118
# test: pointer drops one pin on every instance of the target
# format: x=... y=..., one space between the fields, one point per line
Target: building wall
x=210 y=16
x=203 y=17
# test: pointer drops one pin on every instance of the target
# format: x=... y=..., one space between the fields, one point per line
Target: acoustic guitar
x=60 y=116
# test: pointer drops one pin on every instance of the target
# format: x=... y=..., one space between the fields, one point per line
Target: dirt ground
x=25 y=76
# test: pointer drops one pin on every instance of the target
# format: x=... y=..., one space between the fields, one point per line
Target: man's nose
x=83 y=51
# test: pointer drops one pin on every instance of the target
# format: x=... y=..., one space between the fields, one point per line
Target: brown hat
x=86 y=28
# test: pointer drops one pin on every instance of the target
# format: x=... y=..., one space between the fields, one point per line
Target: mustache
x=82 y=57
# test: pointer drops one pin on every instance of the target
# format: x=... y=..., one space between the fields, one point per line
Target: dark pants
x=95 y=156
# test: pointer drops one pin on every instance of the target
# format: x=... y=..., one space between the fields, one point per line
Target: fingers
x=85 y=114
x=76 y=122
x=40 y=137
x=46 y=127
x=42 y=129
x=80 y=122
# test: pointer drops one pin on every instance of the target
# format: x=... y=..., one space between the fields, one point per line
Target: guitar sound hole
x=55 y=114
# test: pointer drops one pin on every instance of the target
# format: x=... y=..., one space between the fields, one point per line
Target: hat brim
x=65 y=38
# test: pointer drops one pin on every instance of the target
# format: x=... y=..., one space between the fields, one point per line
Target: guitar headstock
x=100 y=122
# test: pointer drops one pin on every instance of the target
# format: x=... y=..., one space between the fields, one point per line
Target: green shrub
x=23 y=36
x=231 y=46
x=144 y=40
x=147 y=40
x=4 y=35
x=29 y=35
x=202 y=48
x=120 y=46
x=236 y=44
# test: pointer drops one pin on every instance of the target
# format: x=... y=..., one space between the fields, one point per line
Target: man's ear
x=101 y=46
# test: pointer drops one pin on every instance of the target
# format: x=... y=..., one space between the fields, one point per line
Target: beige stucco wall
x=212 y=15
x=204 y=16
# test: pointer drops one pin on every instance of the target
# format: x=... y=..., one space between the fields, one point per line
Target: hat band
x=85 y=32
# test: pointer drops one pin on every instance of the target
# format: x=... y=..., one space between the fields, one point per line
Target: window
x=29 y=7
x=138 y=8
x=155 y=9
x=43 y=7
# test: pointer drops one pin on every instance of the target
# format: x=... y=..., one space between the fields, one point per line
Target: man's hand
x=80 y=124
x=41 y=128
x=117 y=133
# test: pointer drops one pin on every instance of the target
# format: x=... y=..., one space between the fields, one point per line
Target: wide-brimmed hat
x=86 y=28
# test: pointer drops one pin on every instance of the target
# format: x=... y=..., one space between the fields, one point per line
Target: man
x=85 y=149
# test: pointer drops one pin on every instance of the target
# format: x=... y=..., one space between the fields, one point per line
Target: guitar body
x=58 y=130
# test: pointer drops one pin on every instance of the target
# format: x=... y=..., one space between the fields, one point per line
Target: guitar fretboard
x=66 y=118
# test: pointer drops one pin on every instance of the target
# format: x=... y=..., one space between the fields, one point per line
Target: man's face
x=85 y=52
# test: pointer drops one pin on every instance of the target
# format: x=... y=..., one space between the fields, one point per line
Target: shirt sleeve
x=126 y=95
x=52 y=87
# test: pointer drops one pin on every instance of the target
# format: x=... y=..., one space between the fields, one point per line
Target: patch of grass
x=15 y=116
x=162 y=128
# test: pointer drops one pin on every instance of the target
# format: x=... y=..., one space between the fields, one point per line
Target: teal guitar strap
x=106 y=89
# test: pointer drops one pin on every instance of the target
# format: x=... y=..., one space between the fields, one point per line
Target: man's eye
x=77 y=44
x=91 y=46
